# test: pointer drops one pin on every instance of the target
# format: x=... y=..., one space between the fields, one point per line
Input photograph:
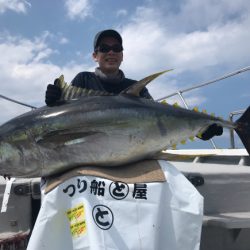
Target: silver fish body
x=94 y=130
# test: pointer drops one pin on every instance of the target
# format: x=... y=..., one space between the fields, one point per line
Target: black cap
x=106 y=33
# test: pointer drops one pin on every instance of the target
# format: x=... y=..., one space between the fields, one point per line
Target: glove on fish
x=53 y=93
x=211 y=131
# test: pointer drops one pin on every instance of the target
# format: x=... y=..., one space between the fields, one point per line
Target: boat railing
x=17 y=102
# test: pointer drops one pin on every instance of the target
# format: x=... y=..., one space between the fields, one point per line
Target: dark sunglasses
x=104 y=48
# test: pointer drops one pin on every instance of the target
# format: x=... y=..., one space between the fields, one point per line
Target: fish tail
x=243 y=129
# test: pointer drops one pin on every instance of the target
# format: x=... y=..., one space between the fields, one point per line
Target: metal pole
x=207 y=83
x=21 y=103
x=232 y=132
x=183 y=100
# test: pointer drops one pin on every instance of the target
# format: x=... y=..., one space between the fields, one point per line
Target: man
x=116 y=208
x=108 y=53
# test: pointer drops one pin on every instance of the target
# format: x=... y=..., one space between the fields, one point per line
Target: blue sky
x=200 y=40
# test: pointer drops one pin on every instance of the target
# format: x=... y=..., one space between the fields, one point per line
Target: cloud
x=26 y=70
x=121 y=12
x=158 y=45
x=193 y=38
x=64 y=40
x=78 y=9
x=19 y=6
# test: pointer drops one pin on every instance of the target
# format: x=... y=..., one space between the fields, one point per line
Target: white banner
x=87 y=212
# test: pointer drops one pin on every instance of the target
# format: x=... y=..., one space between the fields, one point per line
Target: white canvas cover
x=88 y=212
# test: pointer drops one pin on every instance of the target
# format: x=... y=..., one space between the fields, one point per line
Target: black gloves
x=211 y=131
x=53 y=93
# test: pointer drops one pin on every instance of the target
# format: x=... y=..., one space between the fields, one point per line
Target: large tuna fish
x=99 y=130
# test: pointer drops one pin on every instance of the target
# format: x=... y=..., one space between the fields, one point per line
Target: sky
x=200 y=39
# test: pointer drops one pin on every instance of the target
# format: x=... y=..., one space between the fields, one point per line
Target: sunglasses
x=104 y=48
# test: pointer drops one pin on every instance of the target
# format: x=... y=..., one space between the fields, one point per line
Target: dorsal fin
x=137 y=87
x=72 y=92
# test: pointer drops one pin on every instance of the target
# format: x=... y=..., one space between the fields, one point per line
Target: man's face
x=109 y=62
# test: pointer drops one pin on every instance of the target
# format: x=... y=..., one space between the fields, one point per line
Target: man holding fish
x=108 y=77
x=112 y=227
